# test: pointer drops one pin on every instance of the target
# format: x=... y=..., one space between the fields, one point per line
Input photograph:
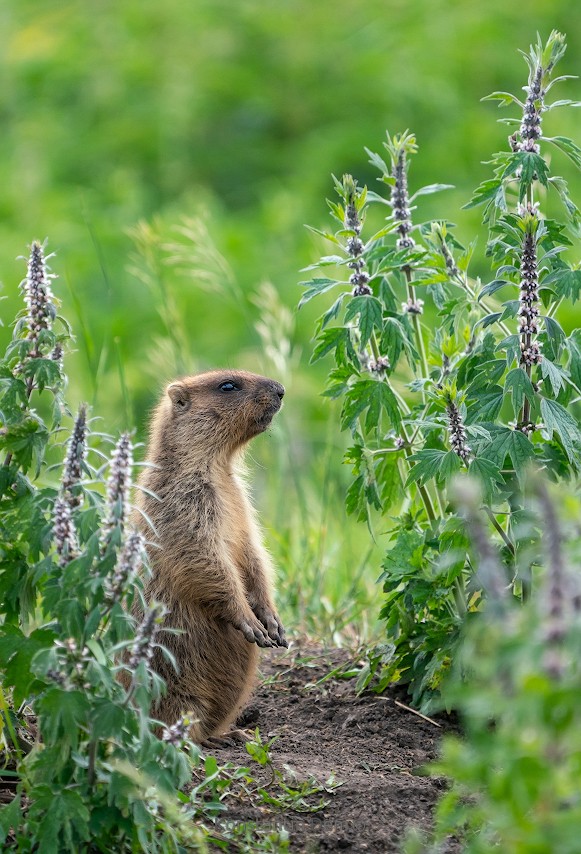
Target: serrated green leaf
x=16 y=655
x=370 y=315
x=332 y=313
x=392 y=340
x=518 y=383
x=505 y=98
x=404 y=557
x=107 y=719
x=510 y=443
x=429 y=189
x=491 y=192
x=567 y=282
x=314 y=287
x=574 y=345
x=554 y=374
x=555 y=336
x=567 y=146
x=377 y=161
x=389 y=480
x=557 y=418
x=488 y=473
x=13 y=397
x=450 y=465
x=485 y=404
x=374 y=395
x=62 y=713
x=11 y=818
x=59 y=817
x=492 y=287
x=27 y=442
x=337 y=338
x=426 y=465
x=45 y=372
x=355 y=503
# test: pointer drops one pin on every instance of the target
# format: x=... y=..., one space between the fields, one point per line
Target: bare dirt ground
x=374 y=747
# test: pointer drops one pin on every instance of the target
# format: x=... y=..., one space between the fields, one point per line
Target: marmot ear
x=180 y=396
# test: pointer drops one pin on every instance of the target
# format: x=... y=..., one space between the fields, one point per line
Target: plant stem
x=507 y=541
x=407 y=448
x=417 y=329
x=555 y=307
x=92 y=761
x=460 y=596
x=483 y=304
x=421 y=489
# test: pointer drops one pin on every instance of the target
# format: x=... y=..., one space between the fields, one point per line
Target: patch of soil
x=373 y=746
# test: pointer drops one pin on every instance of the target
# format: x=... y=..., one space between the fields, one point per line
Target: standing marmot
x=209 y=567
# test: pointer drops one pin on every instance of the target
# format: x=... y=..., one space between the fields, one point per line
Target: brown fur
x=209 y=566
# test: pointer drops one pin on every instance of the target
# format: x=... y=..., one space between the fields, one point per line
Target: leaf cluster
x=439 y=373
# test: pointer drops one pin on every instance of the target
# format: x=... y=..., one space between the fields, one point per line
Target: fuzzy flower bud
x=541 y=62
x=38 y=297
x=557 y=597
x=73 y=663
x=65 y=535
x=413 y=306
x=76 y=453
x=118 y=487
x=530 y=129
x=143 y=646
x=57 y=354
x=127 y=567
x=380 y=365
x=355 y=246
x=400 y=202
x=352 y=220
x=528 y=299
x=457 y=431
x=178 y=732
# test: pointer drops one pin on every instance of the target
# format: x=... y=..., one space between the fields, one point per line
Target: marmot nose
x=278 y=389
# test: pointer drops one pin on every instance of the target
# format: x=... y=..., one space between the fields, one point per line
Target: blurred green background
x=171 y=152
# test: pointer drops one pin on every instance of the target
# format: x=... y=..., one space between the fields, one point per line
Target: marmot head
x=220 y=411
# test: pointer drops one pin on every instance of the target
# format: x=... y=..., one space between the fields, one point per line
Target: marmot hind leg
x=215 y=677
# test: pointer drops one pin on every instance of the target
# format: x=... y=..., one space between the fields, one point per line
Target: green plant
x=452 y=381
x=284 y=791
x=84 y=765
x=514 y=774
x=68 y=572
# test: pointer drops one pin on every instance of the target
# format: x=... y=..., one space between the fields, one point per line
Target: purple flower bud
x=65 y=535
x=400 y=202
x=128 y=564
x=143 y=646
x=413 y=306
x=38 y=297
x=457 y=431
x=529 y=296
x=118 y=488
x=76 y=453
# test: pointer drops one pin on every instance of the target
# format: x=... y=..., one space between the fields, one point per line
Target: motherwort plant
x=439 y=373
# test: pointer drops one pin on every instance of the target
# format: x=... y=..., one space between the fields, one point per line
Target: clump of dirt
x=372 y=745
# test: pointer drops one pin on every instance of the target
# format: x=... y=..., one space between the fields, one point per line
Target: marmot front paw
x=253 y=630
x=271 y=621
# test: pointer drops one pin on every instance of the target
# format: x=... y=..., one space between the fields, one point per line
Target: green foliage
x=515 y=772
x=91 y=768
x=454 y=381
x=65 y=625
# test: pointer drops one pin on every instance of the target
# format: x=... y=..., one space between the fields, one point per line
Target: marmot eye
x=229 y=386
